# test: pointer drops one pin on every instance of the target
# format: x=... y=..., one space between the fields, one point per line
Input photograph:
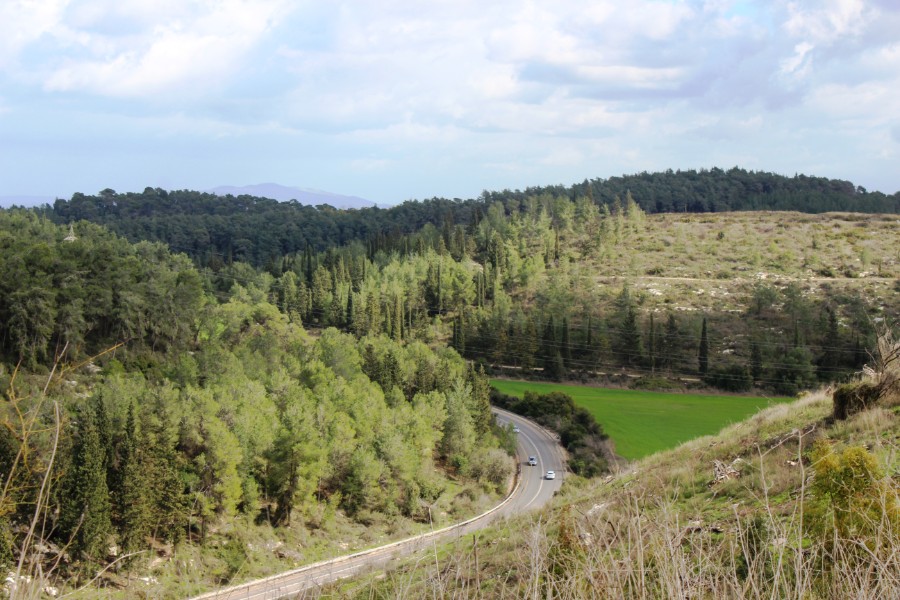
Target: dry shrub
x=854 y=397
x=881 y=383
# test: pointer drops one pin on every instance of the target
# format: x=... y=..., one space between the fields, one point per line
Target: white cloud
x=175 y=49
x=797 y=64
x=548 y=89
x=825 y=21
x=22 y=22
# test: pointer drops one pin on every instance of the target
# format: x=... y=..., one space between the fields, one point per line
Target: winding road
x=531 y=491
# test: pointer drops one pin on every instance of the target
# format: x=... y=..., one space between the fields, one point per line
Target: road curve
x=531 y=491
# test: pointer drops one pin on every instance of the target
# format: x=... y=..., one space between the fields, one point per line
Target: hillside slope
x=785 y=504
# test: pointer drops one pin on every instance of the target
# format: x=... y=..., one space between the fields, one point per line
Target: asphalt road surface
x=532 y=490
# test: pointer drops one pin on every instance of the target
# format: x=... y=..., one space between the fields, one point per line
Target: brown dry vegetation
x=746 y=245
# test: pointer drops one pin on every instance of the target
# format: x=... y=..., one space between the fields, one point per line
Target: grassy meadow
x=641 y=423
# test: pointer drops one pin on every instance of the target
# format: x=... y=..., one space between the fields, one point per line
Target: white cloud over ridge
x=564 y=89
x=138 y=48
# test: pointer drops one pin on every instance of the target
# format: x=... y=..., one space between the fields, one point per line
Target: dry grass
x=662 y=530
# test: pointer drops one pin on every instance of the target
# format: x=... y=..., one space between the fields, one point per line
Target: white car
x=551 y=475
x=516 y=429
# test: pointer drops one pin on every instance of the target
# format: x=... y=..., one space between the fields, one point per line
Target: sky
x=399 y=99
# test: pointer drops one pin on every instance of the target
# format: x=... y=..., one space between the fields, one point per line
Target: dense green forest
x=214 y=229
x=146 y=403
x=530 y=292
x=174 y=361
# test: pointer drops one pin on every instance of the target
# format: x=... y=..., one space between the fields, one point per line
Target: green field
x=641 y=423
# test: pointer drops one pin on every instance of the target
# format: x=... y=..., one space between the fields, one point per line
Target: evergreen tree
x=756 y=363
x=556 y=369
x=549 y=348
x=135 y=497
x=829 y=362
x=565 y=345
x=703 y=353
x=669 y=353
x=794 y=371
x=590 y=353
x=336 y=311
x=480 y=408
x=349 y=324
x=84 y=509
x=289 y=296
x=459 y=334
x=627 y=342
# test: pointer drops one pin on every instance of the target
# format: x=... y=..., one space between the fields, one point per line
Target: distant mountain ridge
x=283 y=193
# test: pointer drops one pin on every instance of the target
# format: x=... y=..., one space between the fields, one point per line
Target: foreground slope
x=785 y=504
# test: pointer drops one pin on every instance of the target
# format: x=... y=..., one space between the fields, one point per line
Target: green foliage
x=703 y=352
x=731 y=378
x=88 y=293
x=795 y=372
x=218 y=230
x=84 y=517
x=579 y=432
x=627 y=344
x=481 y=267
x=641 y=423
x=7 y=544
x=851 y=498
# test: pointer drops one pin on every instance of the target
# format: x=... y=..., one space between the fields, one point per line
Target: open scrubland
x=732 y=264
x=643 y=422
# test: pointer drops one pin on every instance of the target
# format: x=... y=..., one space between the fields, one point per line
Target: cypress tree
x=591 y=353
x=669 y=350
x=566 y=346
x=548 y=345
x=397 y=320
x=134 y=495
x=336 y=310
x=703 y=354
x=480 y=399
x=628 y=341
x=308 y=265
x=756 y=366
x=348 y=319
x=830 y=360
x=85 y=512
x=556 y=370
x=440 y=290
